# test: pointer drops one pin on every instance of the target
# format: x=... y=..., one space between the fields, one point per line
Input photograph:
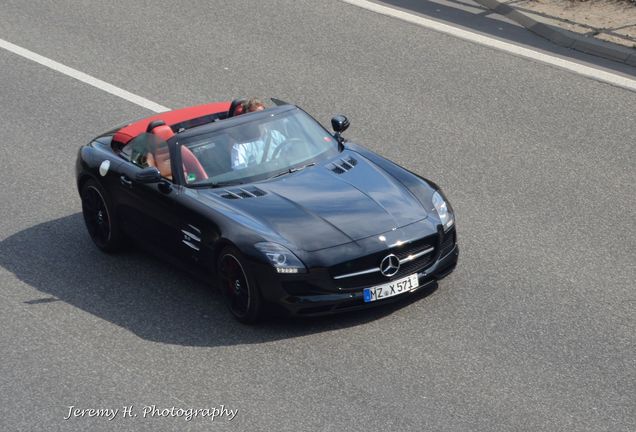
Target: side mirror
x=339 y=123
x=148 y=175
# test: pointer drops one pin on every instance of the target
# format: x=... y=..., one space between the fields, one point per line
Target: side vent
x=241 y=193
x=258 y=192
x=343 y=165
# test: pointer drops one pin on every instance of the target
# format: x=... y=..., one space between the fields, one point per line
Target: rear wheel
x=238 y=287
x=99 y=217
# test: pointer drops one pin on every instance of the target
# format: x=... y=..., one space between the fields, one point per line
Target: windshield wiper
x=292 y=170
x=214 y=185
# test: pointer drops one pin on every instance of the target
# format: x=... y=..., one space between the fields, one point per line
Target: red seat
x=159 y=156
x=191 y=165
x=161 y=159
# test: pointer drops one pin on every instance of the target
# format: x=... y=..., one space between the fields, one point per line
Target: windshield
x=256 y=150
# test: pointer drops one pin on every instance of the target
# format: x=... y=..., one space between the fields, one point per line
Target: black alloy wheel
x=237 y=287
x=98 y=217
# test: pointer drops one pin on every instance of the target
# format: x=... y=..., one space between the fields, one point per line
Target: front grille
x=373 y=260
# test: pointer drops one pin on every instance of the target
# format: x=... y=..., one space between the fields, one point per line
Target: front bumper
x=294 y=294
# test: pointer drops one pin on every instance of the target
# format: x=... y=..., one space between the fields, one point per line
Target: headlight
x=444 y=211
x=283 y=260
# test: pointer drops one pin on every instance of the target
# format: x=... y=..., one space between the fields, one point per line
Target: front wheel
x=238 y=287
x=99 y=217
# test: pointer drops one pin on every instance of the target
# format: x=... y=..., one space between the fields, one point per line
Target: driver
x=261 y=143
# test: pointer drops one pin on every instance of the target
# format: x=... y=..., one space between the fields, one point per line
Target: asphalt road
x=535 y=330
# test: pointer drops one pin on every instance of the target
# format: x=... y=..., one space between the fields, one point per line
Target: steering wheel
x=284 y=145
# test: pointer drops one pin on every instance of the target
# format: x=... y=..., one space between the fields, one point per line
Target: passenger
x=253 y=104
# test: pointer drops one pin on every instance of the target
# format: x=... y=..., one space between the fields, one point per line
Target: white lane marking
x=580 y=69
x=81 y=76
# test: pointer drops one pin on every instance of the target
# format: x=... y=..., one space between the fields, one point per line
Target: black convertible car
x=271 y=205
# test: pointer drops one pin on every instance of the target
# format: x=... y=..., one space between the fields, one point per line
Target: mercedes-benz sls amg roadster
x=270 y=206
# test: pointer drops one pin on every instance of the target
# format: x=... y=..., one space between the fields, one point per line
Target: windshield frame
x=190 y=135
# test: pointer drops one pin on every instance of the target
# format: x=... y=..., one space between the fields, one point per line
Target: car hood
x=322 y=206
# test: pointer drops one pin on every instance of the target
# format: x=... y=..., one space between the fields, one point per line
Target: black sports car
x=270 y=204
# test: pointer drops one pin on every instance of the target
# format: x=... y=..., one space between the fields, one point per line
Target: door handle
x=125 y=181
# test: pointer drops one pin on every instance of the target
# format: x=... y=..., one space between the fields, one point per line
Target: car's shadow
x=141 y=293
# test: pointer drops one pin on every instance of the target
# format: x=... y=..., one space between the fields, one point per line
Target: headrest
x=236 y=108
x=163 y=131
x=153 y=124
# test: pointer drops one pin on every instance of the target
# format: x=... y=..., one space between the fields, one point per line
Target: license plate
x=391 y=289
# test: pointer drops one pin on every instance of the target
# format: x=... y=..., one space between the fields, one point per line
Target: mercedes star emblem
x=390 y=265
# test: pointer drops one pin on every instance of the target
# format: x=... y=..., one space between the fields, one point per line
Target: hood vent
x=241 y=193
x=343 y=165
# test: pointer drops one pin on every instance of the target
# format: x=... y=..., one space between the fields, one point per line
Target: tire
x=237 y=286
x=99 y=217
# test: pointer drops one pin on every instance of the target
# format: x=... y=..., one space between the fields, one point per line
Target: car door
x=163 y=216
x=147 y=209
